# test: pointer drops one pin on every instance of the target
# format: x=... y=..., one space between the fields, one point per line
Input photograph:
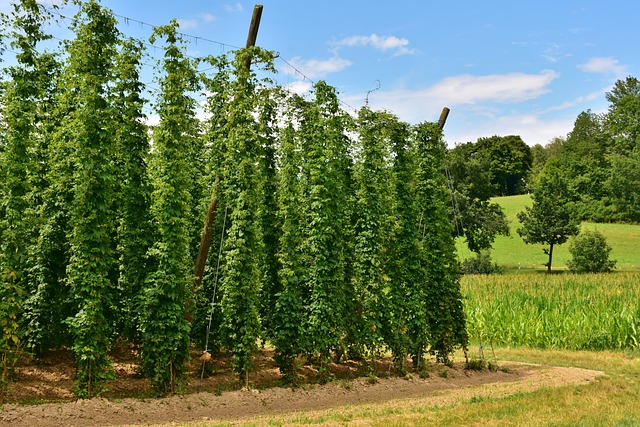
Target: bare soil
x=42 y=393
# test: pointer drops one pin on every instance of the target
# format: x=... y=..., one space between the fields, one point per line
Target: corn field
x=567 y=311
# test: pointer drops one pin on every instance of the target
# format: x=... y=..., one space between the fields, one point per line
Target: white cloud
x=190 y=24
x=554 y=52
x=532 y=128
x=579 y=100
x=237 y=7
x=187 y=24
x=208 y=17
x=477 y=106
x=383 y=43
x=300 y=86
x=604 y=65
x=314 y=68
x=468 y=89
x=465 y=89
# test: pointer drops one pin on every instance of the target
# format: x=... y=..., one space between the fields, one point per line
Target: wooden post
x=207 y=232
x=443 y=117
x=207 y=235
x=253 y=30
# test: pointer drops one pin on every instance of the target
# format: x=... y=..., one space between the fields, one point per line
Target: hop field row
x=565 y=311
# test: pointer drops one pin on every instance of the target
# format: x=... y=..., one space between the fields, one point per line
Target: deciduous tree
x=551 y=219
x=474 y=216
x=509 y=160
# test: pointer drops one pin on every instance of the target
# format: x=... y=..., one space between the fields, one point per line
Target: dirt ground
x=42 y=393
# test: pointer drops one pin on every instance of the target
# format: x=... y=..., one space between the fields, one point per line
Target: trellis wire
x=215 y=287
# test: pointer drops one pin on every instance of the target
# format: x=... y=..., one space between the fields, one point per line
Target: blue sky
x=503 y=67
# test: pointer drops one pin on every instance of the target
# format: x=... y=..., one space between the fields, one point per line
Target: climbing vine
x=165 y=331
x=443 y=300
x=326 y=184
x=373 y=218
x=333 y=229
x=22 y=105
x=92 y=221
x=241 y=273
x=132 y=187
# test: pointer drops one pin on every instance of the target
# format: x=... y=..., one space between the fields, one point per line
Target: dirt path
x=439 y=389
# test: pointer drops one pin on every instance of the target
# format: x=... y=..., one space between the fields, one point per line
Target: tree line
x=334 y=234
x=591 y=174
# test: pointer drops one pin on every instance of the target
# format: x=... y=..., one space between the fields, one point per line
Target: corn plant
x=569 y=311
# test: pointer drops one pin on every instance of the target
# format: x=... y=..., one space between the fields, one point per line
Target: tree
x=622 y=117
x=509 y=160
x=552 y=219
x=590 y=253
x=585 y=166
x=622 y=123
x=473 y=214
x=624 y=185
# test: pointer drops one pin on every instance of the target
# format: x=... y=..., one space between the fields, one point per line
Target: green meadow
x=513 y=254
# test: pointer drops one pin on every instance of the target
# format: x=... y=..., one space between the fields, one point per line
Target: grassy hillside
x=512 y=253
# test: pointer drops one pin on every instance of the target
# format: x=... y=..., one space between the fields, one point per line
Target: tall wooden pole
x=253 y=29
x=443 y=117
x=207 y=232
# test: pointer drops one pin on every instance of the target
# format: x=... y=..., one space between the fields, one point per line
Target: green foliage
x=11 y=297
x=590 y=253
x=403 y=307
x=133 y=187
x=567 y=311
x=165 y=331
x=92 y=220
x=447 y=322
x=372 y=212
x=337 y=240
x=624 y=185
x=219 y=85
x=324 y=226
x=269 y=225
x=472 y=213
x=289 y=326
x=622 y=117
x=481 y=263
x=584 y=163
x=23 y=134
x=241 y=272
x=552 y=219
x=509 y=160
x=599 y=157
x=326 y=178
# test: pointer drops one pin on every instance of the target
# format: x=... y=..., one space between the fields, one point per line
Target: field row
x=563 y=311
